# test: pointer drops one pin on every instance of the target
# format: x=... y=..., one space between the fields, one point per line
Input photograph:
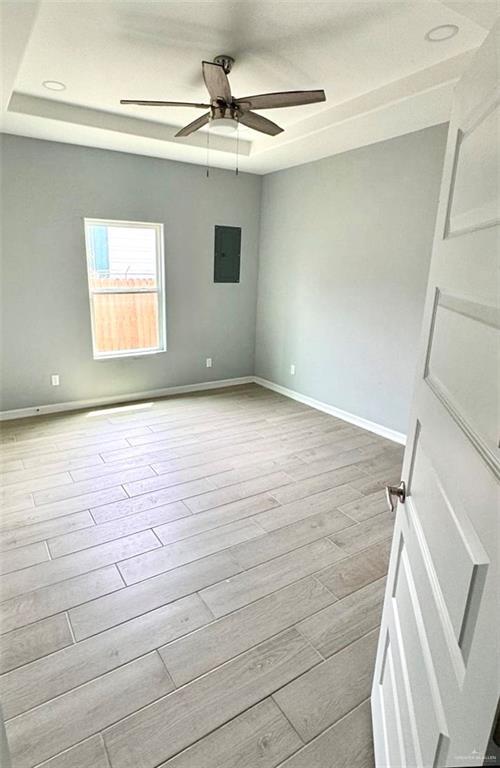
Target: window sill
x=129 y=355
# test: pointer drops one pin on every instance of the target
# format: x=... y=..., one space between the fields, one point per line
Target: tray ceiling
x=381 y=75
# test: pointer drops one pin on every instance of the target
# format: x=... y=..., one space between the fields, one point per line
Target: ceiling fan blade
x=192 y=127
x=165 y=103
x=259 y=123
x=284 y=99
x=216 y=81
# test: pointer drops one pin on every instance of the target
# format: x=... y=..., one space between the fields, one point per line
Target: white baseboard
x=371 y=426
x=76 y=405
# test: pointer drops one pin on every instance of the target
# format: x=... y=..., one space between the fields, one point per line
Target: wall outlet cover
x=209 y=362
x=292 y=369
x=54 y=379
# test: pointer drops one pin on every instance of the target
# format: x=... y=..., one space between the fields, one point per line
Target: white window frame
x=160 y=289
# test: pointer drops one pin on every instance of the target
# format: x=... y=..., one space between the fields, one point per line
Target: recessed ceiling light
x=443 y=32
x=54 y=85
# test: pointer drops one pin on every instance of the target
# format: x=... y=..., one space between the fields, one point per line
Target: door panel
x=411 y=747
x=436 y=680
x=474 y=200
x=454 y=548
x=427 y=705
x=466 y=329
x=393 y=725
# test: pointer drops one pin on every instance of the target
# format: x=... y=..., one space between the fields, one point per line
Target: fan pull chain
x=237 y=146
x=208 y=150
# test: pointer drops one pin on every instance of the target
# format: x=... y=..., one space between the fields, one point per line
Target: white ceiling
x=381 y=76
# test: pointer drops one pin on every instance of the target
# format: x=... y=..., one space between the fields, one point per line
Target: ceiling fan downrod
x=224 y=61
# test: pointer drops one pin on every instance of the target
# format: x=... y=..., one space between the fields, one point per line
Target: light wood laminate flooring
x=194 y=582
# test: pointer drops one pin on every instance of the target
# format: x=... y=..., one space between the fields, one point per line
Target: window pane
x=122 y=256
x=126 y=286
x=125 y=321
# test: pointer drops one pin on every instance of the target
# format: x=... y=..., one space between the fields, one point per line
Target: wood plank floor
x=194 y=582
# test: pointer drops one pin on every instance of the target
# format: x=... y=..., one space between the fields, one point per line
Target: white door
x=436 y=681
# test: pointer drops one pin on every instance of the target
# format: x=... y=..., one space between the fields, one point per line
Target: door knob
x=393 y=492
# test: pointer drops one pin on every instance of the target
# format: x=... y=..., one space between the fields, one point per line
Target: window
x=126 y=287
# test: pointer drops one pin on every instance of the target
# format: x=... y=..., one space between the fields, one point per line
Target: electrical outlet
x=209 y=362
x=54 y=380
x=292 y=369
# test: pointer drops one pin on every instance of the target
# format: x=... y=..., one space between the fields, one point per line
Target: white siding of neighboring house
x=131 y=251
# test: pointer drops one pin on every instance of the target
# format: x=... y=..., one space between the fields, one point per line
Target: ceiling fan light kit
x=225 y=107
x=224 y=125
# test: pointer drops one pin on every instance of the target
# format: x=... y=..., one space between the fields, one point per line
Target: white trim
x=359 y=421
x=76 y=405
x=159 y=291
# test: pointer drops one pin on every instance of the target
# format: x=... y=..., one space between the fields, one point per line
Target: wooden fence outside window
x=125 y=321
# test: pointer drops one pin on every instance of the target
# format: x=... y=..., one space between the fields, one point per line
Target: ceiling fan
x=225 y=107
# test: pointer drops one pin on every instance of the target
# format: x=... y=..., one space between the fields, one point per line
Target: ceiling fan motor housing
x=224 y=111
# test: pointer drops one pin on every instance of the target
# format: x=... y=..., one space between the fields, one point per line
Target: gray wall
x=345 y=246
x=47 y=190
